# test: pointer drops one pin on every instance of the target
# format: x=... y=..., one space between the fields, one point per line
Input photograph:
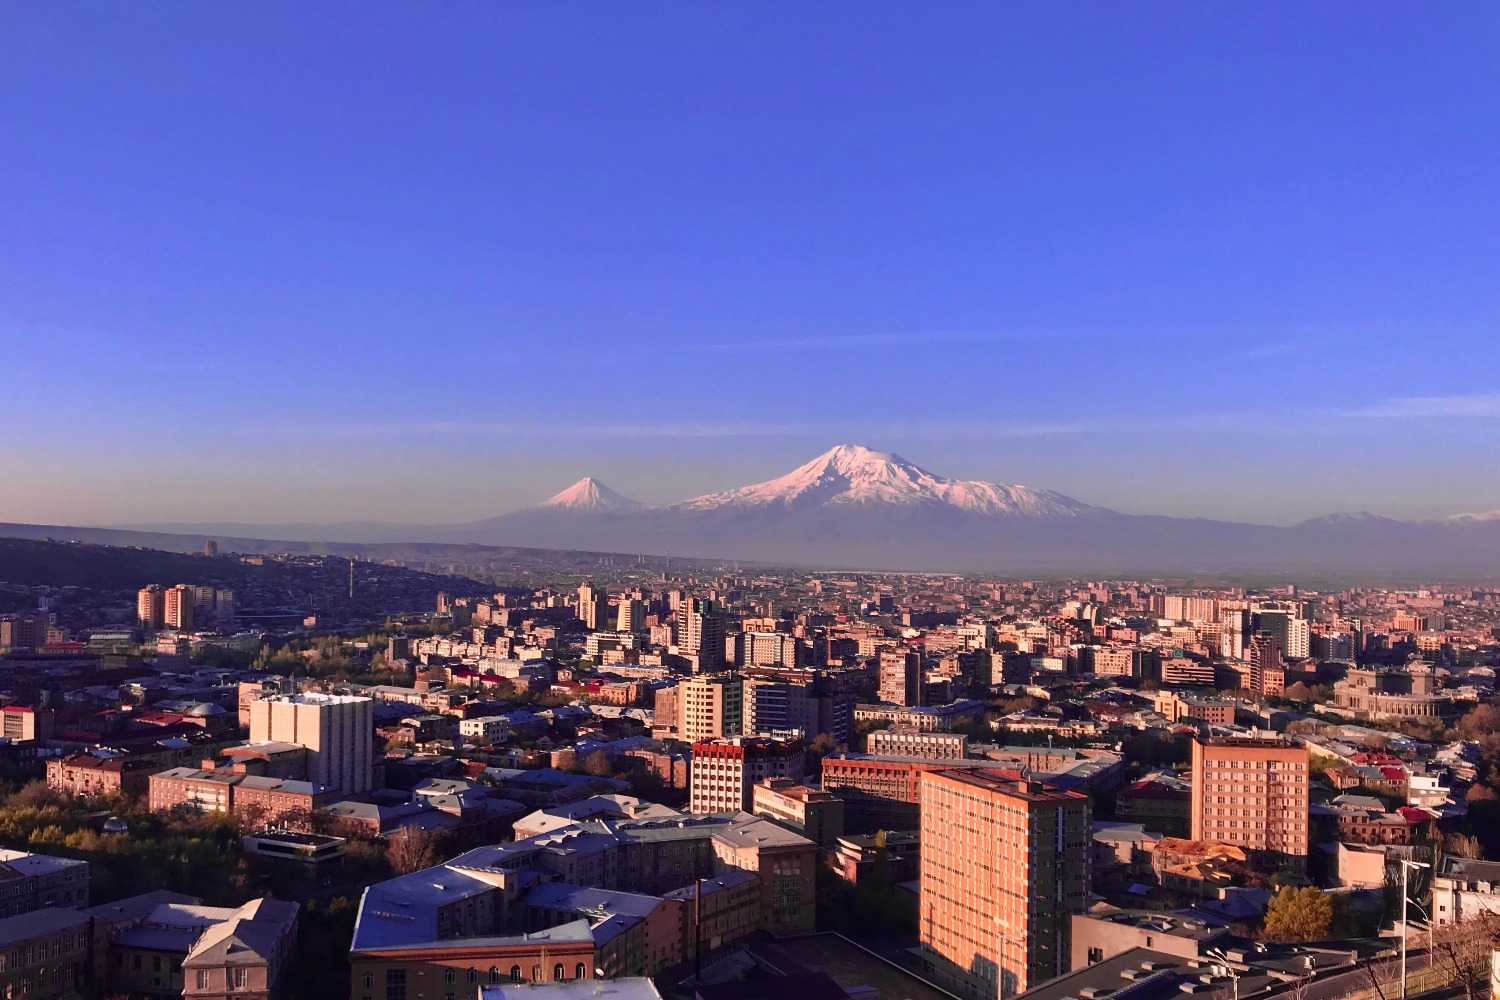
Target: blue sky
x=424 y=261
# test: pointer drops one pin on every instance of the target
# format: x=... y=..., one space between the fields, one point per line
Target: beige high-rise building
x=337 y=730
x=770 y=649
x=177 y=607
x=1234 y=633
x=900 y=677
x=1252 y=792
x=593 y=607
x=710 y=707
x=1004 y=866
x=703 y=632
x=631 y=616
x=151 y=606
x=1182 y=608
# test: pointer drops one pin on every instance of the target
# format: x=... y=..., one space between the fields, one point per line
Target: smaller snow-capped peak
x=590 y=494
x=854 y=475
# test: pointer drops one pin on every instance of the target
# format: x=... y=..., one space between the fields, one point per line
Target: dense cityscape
x=749 y=500
x=722 y=784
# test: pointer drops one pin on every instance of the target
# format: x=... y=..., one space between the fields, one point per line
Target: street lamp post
x=1234 y=974
x=1406 y=866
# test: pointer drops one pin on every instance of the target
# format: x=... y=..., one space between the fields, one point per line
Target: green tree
x=1299 y=914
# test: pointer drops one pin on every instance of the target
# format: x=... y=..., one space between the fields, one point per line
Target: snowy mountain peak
x=1355 y=519
x=590 y=494
x=855 y=475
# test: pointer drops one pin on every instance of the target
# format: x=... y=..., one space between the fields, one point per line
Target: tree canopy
x=1299 y=914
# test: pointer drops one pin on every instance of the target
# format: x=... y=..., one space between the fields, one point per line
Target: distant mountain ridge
x=856 y=507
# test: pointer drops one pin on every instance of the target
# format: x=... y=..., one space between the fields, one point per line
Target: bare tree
x=1299 y=989
x=410 y=849
x=1384 y=975
x=1461 y=951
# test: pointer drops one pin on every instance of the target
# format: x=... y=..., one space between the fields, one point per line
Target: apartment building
x=817 y=815
x=773 y=707
x=710 y=708
x=900 y=676
x=703 y=633
x=1004 y=866
x=725 y=771
x=909 y=741
x=337 y=730
x=20 y=722
x=1253 y=793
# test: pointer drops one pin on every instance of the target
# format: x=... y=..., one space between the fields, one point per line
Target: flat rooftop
x=1174 y=925
x=1010 y=783
x=578 y=989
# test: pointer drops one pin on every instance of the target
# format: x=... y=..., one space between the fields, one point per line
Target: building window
x=515 y=973
x=449 y=977
x=367 y=980
x=494 y=974
x=395 y=984
x=579 y=971
x=473 y=975
x=239 y=979
x=202 y=978
x=557 y=972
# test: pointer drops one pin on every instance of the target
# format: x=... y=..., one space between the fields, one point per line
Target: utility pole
x=1405 y=867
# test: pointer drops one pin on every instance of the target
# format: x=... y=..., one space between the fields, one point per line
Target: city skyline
x=1231 y=263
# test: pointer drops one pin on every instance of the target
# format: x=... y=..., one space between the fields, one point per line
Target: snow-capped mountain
x=850 y=475
x=588 y=494
x=1477 y=517
x=1355 y=519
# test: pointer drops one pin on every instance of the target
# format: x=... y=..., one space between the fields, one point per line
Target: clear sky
x=434 y=261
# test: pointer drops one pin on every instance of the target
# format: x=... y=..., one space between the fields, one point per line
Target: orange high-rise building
x=1005 y=865
x=150 y=606
x=1252 y=792
x=177 y=607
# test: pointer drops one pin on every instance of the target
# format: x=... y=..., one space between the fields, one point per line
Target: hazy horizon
x=277 y=264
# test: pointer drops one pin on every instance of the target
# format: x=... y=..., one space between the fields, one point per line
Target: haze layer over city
x=735 y=501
